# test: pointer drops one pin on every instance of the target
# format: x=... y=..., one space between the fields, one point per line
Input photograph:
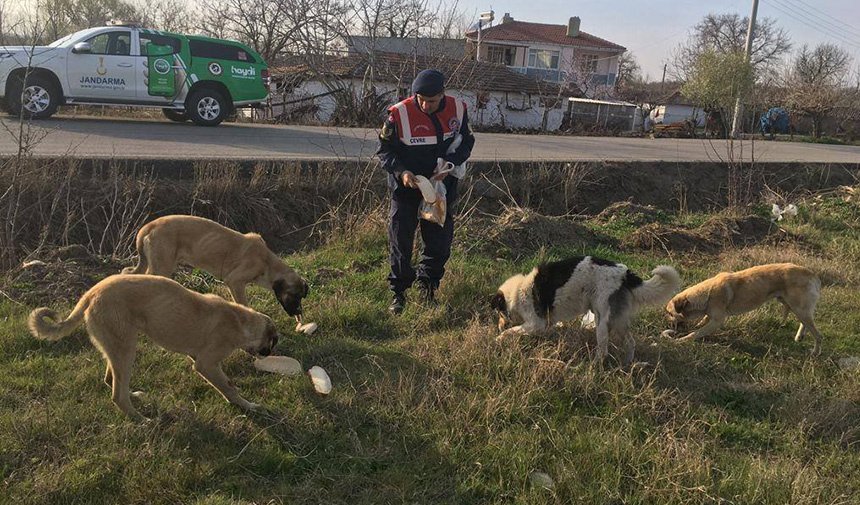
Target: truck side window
x=214 y=50
x=159 y=40
x=115 y=43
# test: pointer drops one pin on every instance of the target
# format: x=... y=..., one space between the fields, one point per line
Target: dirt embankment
x=512 y=208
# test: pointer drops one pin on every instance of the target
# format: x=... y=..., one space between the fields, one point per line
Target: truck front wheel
x=37 y=98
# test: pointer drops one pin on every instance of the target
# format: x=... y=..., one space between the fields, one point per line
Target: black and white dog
x=565 y=290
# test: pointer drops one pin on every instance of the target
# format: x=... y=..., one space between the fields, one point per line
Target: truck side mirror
x=82 y=47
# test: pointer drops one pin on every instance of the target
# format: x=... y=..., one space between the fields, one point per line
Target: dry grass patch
x=714 y=235
x=520 y=232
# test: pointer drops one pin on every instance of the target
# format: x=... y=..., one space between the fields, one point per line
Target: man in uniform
x=420 y=130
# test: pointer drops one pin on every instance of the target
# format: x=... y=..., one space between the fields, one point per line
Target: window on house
x=542 y=58
x=588 y=63
x=500 y=54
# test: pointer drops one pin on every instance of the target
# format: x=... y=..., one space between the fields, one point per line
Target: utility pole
x=663 y=79
x=738 y=118
x=478 y=53
x=488 y=17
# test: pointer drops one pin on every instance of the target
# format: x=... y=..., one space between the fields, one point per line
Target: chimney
x=573 y=27
x=507 y=18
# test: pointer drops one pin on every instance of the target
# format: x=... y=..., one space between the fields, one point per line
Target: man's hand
x=408 y=179
x=443 y=168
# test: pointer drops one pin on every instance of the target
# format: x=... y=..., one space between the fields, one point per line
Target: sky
x=651 y=29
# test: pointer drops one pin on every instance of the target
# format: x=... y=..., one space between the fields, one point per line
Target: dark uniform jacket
x=412 y=140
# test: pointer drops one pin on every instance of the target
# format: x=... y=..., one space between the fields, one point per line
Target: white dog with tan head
x=565 y=290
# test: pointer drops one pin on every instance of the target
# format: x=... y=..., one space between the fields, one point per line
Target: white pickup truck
x=187 y=76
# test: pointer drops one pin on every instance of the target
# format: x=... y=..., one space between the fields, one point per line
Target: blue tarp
x=775 y=120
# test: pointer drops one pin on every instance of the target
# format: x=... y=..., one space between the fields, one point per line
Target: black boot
x=398 y=303
x=427 y=293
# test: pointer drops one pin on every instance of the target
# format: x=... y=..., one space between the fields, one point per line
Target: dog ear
x=498 y=303
x=279 y=286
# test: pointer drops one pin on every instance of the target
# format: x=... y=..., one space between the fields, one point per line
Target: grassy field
x=428 y=408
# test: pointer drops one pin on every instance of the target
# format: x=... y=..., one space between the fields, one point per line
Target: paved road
x=147 y=139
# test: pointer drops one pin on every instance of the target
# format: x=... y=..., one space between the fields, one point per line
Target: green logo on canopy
x=161 y=66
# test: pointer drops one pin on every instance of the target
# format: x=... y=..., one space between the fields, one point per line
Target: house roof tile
x=522 y=31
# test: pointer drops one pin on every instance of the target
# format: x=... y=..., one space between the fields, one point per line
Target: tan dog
x=726 y=294
x=167 y=242
x=205 y=327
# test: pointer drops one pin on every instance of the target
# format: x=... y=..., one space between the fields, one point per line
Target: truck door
x=106 y=72
x=162 y=73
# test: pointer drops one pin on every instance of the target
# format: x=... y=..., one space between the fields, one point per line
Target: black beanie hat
x=428 y=83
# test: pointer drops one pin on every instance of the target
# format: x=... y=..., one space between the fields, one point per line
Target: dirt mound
x=741 y=231
x=57 y=276
x=666 y=238
x=636 y=214
x=715 y=234
x=519 y=232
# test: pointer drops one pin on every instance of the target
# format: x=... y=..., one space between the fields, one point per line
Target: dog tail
x=44 y=326
x=660 y=288
x=141 y=243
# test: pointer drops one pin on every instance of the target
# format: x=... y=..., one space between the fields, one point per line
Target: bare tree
x=169 y=15
x=817 y=81
x=629 y=70
x=62 y=17
x=646 y=96
x=411 y=18
x=271 y=27
x=726 y=34
x=580 y=73
x=450 y=21
x=407 y=19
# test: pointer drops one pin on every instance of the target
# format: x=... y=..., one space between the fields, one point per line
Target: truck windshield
x=61 y=41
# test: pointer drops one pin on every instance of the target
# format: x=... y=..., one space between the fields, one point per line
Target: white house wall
x=514 y=111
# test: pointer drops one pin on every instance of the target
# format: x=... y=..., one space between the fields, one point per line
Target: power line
x=829 y=25
x=806 y=20
x=788 y=10
x=848 y=28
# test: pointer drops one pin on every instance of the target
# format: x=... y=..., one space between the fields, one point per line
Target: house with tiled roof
x=556 y=53
x=496 y=95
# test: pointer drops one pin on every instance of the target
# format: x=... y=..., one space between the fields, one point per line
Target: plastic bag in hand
x=437 y=210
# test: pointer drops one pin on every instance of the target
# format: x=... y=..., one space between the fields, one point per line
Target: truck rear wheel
x=207 y=107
